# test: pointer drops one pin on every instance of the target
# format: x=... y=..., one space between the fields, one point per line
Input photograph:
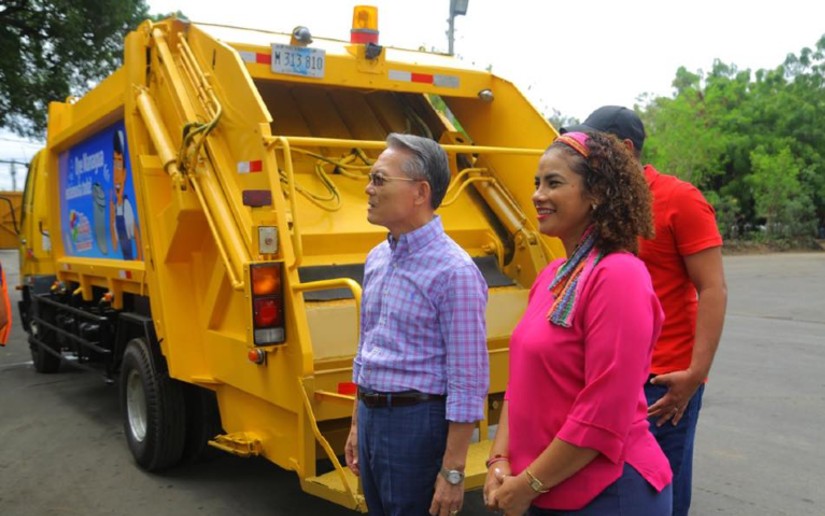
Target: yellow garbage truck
x=195 y=229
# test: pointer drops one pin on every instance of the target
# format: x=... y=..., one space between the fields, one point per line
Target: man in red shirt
x=685 y=262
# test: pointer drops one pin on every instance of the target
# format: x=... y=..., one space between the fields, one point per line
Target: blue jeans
x=677 y=443
x=630 y=495
x=399 y=452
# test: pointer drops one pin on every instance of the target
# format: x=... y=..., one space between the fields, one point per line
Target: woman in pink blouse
x=573 y=436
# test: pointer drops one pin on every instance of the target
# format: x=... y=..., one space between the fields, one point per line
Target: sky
x=570 y=56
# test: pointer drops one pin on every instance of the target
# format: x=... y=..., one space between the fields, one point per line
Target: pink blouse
x=584 y=384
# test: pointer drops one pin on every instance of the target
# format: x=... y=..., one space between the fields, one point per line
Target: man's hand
x=448 y=498
x=681 y=386
x=351 y=449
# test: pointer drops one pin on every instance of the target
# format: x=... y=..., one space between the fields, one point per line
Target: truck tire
x=152 y=405
x=203 y=422
x=44 y=361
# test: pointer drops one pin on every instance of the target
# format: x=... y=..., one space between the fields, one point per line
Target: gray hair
x=428 y=162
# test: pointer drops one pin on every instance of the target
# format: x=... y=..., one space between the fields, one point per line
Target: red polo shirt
x=685 y=224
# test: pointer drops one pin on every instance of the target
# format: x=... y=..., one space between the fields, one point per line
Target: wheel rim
x=136 y=405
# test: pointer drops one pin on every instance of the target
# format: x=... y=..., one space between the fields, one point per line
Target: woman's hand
x=514 y=496
x=495 y=473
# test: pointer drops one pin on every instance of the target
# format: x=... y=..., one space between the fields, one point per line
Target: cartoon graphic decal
x=122 y=215
x=93 y=174
x=99 y=203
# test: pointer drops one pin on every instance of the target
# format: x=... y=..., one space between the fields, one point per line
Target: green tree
x=727 y=130
x=806 y=76
x=686 y=133
x=558 y=120
x=780 y=196
x=50 y=49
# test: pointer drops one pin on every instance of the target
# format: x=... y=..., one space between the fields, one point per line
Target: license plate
x=303 y=61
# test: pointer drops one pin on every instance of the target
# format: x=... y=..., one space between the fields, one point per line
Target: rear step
x=331 y=485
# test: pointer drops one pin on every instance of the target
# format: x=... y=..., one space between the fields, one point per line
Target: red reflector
x=256 y=198
x=422 y=77
x=266 y=279
x=267 y=312
x=348 y=388
x=256 y=356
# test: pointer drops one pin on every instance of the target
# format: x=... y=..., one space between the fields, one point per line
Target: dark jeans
x=677 y=443
x=399 y=453
x=630 y=495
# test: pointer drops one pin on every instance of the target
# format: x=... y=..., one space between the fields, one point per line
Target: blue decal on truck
x=97 y=198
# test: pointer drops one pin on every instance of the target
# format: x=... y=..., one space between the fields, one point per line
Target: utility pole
x=12 y=171
x=457 y=8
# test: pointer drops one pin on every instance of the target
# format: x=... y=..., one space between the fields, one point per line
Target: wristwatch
x=452 y=476
x=536 y=484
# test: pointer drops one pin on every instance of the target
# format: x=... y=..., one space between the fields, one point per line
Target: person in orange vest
x=5 y=309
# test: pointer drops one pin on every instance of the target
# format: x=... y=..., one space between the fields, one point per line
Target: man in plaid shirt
x=422 y=366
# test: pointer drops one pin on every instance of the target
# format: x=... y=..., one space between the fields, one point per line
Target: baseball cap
x=617 y=120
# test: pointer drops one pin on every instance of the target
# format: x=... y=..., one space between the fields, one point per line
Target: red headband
x=576 y=141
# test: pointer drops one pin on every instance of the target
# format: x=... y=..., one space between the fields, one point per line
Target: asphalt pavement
x=759 y=445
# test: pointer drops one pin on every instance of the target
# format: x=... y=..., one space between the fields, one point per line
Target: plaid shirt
x=423 y=322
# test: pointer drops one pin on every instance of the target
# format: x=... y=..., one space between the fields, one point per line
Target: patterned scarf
x=569 y=277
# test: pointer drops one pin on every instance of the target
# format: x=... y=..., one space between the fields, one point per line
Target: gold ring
x=453 y=513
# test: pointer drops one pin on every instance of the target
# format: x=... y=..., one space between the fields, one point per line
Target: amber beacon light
x=364 y=24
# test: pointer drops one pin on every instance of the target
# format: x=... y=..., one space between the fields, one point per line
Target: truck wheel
x=203 y=422
x=44 y=362
x=152 y=405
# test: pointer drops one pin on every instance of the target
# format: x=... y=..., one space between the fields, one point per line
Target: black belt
x=397 y=399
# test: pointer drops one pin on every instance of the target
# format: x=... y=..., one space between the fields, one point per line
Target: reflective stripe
x=255 y=57
x=442 y=81
x=245 y=167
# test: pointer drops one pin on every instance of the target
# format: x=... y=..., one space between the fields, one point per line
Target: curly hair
x=613 y=179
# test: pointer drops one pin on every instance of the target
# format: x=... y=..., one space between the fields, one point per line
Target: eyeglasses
x=379 y=179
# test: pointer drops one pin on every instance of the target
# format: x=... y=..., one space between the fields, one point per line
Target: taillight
x=266 y=279
x=267 y=304
x=267 y=312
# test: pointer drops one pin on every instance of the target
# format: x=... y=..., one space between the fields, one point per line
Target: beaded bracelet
x=496 y=458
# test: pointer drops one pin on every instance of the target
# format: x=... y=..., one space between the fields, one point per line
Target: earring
x=594 y=206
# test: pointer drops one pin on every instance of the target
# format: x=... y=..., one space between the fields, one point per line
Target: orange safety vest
x=5 y=330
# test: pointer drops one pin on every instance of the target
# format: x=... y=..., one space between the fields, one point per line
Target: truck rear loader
x=195 y=228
